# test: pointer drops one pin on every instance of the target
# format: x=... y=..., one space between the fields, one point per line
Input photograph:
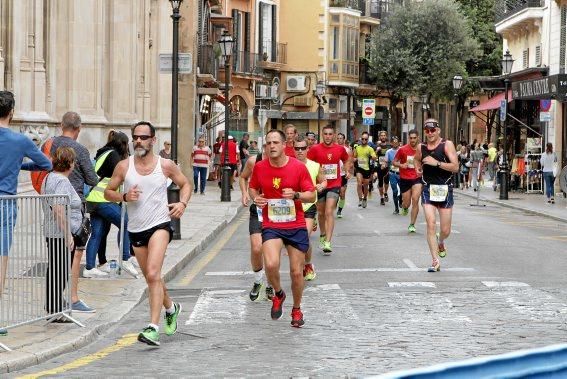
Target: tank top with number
x=434 y=174
x=151 y=207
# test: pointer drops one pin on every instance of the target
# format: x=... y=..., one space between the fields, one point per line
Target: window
x=267 y=31
x=526 y=58
x=538 y=56
x=345 y=45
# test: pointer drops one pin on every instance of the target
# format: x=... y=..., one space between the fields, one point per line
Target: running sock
x=259 y=275
x=156 y=327
x=342 y=203
x=171 y=310
x=279 y=293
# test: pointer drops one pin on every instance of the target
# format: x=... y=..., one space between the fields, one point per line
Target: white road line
x=359 y=216
x=219 y=307
x=377 y=232
x=346 y=270
x=490 y=284
x=411 y=284
x=410 y=264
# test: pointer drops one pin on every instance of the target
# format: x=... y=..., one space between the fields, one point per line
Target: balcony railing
x=208 y=63
x=245 y=62
x=368 y=8
x=274 y=54
x=506 y=8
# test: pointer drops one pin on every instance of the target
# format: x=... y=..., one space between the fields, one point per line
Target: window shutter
x=525 y=58
x=261 y=30
x=274 y=33
x=236 y=39
x=563 y=39
x=538 y=56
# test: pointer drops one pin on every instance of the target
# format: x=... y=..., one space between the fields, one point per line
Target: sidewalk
x=535 y=203
x=204 y=219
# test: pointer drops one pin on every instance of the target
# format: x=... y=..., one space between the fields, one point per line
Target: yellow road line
x=554 y=238
x=130 y=339
x=215 y=250
x=126 y=340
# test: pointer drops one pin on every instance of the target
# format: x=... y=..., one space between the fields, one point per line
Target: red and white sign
x=368 y=108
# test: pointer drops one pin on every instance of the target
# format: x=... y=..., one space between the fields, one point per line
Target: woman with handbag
x=548 y=162
x=62 y=237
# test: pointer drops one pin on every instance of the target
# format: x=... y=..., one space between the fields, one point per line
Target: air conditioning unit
x=295 y=83
x=302 y=101
x=273 y=92
x=261 y=91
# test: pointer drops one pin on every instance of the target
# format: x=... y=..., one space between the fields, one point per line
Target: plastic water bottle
x=113 y=268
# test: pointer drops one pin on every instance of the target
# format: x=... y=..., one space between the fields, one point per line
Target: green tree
x=419 y=48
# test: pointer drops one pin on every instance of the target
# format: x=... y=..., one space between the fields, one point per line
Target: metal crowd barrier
x=35 y=271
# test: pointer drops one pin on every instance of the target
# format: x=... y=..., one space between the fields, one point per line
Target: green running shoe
x=3 y=332
x=404 y=212
x=442 y=251
x=411 y=228
x=171 y=320
x=339 y=215
x=150 y=336
x=327 y=249
x=321 y=242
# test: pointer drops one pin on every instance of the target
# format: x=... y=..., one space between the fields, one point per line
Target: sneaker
x=442 y=251
x=404 y=211
x=277 y=306
x=297 y=318
x=364 y=203
x=80 y=307
x=255 y=291
x=386 y=198
x=150 y=336
x=202 y=194
x=360 y=203
x=94 y=273
x=552 y=200
x=396 y=212
x=309 y=272
x=382 y=202
x=411 y=228
x=435 y=266
x=104 y=268
x=327 y=250
x=171 y=320
x=339 y=215
x=3 y=332
x=129 y=268
x=269 y=292
x=321 y=242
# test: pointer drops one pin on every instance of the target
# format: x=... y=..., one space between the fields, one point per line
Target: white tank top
x=151 y=208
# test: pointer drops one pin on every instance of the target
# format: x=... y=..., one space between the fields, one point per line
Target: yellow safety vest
x=97 y=192
x=313 y=168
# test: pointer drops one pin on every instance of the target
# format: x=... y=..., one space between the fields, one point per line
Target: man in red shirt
x=279 y=185
x=233 y=157
x=410 y=179
x=329 y=155
x=291 y=135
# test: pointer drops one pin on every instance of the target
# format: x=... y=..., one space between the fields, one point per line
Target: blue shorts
x=448 y=203
x=8 y=215
x=297 y=238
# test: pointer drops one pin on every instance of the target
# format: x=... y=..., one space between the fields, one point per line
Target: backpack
x=37 y=177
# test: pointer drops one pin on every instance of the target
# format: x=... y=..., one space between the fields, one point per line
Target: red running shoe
x=277 y=306
x=297 y=318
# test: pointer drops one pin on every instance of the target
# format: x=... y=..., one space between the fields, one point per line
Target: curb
x=516 y=207
x=77 y=338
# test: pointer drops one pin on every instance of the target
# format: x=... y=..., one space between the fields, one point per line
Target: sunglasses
x=300 y=148
x=364 y=139
x=429 y=130
x=142 y=137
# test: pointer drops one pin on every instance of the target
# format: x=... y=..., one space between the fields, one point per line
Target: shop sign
x=550 y=87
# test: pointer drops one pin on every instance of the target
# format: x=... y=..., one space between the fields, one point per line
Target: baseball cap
x=230 y=137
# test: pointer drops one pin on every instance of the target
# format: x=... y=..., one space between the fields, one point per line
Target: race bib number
x=438 y=192
x=330 y=171
x=260 y=217
x=410 y=161
x=363 y=162
x=281 y=210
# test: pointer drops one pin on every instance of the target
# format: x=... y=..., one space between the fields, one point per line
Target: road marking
x=554 y=238
x=215 y=250
x=219 y=307
x=359 y=216
x=345 y=270
x=410 y=264
x=377 y=232
x=411 y=284
x=490 y=284
x=125 y=341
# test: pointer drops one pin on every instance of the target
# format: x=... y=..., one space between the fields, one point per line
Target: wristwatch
x=296 y=195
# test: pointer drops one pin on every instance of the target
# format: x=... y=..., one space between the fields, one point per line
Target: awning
x=492 y=103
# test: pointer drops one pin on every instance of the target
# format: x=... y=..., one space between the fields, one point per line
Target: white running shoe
x=129 y=268
x=104 y=268
x=94 y=273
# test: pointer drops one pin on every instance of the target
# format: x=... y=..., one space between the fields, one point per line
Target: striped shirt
x=201 y=156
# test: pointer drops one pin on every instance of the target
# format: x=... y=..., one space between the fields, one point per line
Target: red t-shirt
x=289 y=150
x=270 y=181
x=329 y=157
x=232 y=152
x=406 y=154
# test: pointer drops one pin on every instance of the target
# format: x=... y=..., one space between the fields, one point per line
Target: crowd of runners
x=295 y=186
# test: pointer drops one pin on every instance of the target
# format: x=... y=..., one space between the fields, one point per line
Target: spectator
x=491 y=161
x=82 y=173
x=477 y=159
x=14 y=147
x=548 y=160
x=253 y=150
x=61 y=243
x=103 y=213
x=464 y=162
x=232 y=158
x=201 y=159
x=217 y=158
x=243 y=147
x=166 y=151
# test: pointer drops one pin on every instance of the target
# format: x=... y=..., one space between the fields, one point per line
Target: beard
x=141 y=152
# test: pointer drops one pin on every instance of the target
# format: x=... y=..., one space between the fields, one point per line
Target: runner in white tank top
x=149 y=217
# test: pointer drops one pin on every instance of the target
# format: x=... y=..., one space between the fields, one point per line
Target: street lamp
x=226 y=43
x=173 y=189
x=423 y=109
x=507 y=63
x=457 y=85
x=319 y=93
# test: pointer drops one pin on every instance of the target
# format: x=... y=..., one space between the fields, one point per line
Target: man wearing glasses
x=410 y=179
x=363 y=155
x=149 y=219
x=329 y=155
x=436 y=160
x=166 y=151
x=201 y=159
